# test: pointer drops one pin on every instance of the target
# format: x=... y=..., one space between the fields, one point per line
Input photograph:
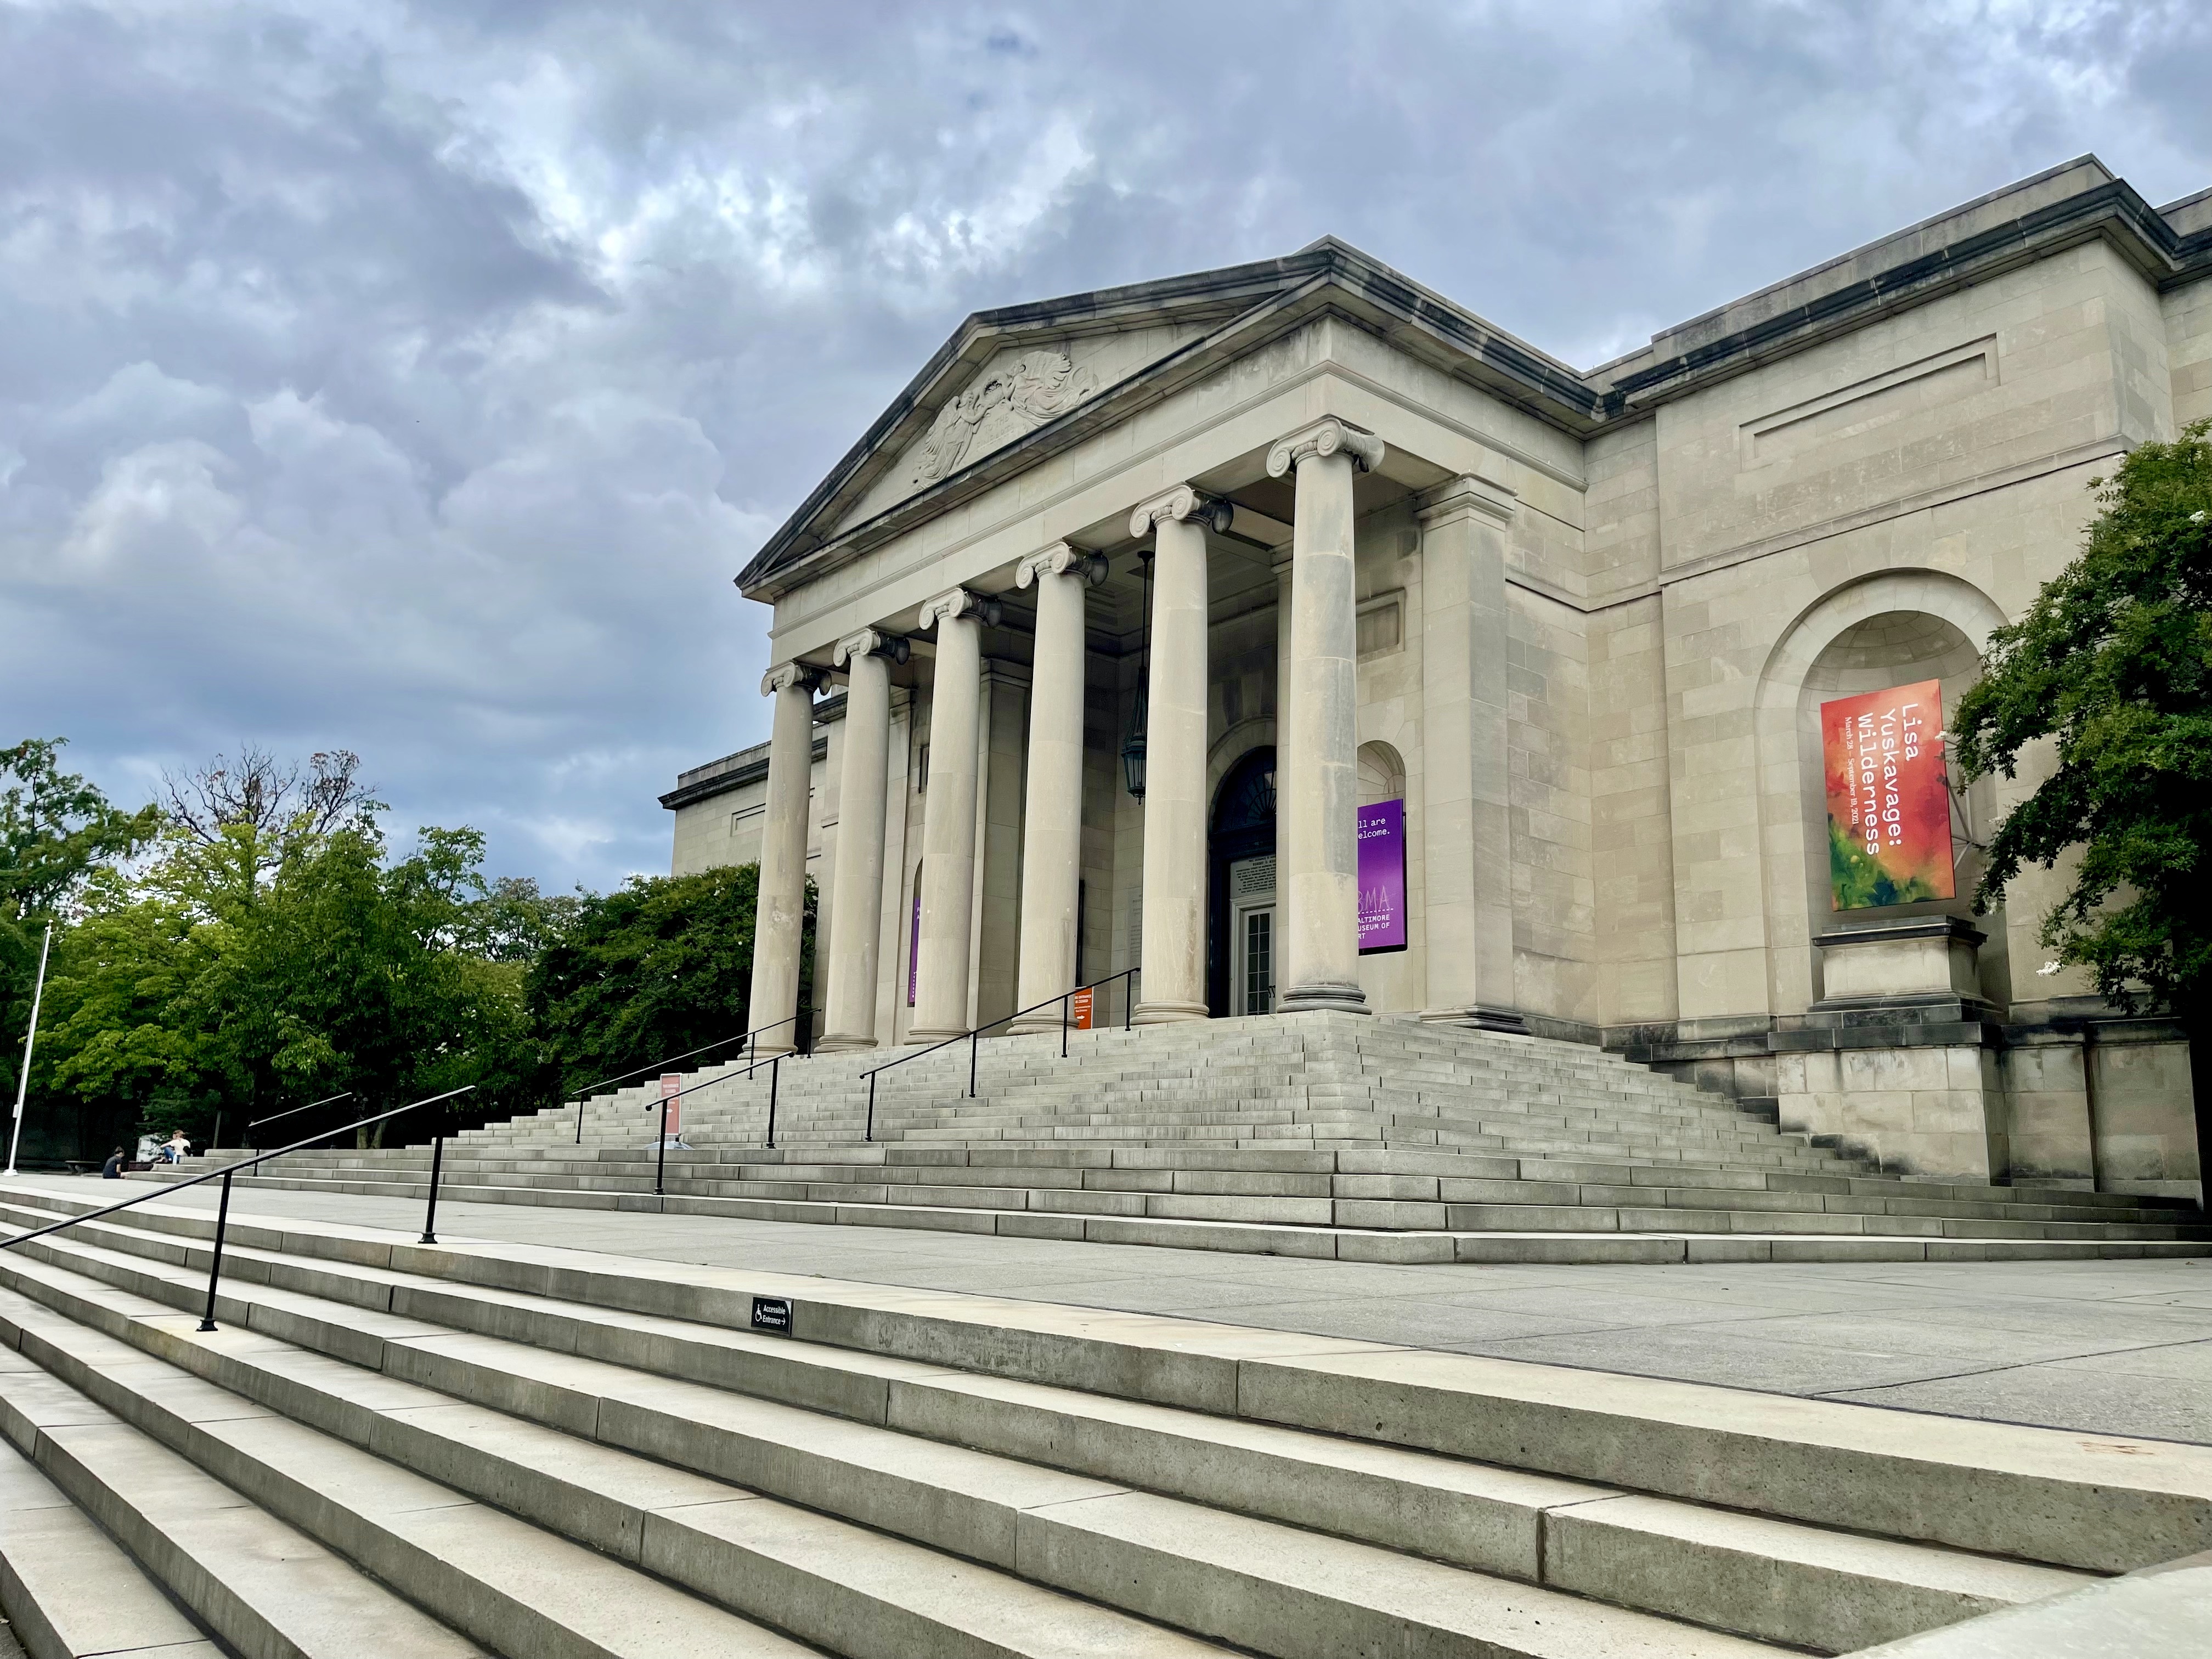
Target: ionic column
x=856 y=893
x=948 y=818
x=1052 y=806
x=1464 y=643
x=778 y=927
x=1317 y=763
x=1173 y=958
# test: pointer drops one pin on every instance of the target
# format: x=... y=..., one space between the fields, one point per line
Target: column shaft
x=857 y=889
x=1173 y=959
x=948 y=821
x=779 y=928
x=1317 y=769
x=1469 y=912
x=1052 y=814
x=1285 y=672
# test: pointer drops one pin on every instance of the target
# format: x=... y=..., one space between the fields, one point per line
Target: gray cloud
x=413 y=378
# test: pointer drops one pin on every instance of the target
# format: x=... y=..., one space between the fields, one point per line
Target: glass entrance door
x=1252 y=936
x=1255 y=967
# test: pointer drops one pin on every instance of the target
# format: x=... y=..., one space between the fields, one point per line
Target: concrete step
x=2109 y=1505
x=70 y=1590
x=732 y=1174
x=1216 y=1574
x=1516 y=1234
x=1190 y=1531
x=262 y=1586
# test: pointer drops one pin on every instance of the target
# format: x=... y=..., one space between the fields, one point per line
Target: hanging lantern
x=1133 y=748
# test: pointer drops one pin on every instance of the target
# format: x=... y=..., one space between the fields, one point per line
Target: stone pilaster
x=779 y=928
x=948 y=816
x=1052 y=826
x=1174 y=948
x=1318 y=761
x=1464 y=754
x=855 y=918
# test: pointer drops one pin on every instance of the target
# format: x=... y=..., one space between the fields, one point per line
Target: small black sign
x=772 y=1313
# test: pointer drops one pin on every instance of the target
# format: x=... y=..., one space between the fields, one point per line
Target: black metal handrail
x=1066 y=1000
x=223 y=1175
x=290 y=1111
x=584 y=1094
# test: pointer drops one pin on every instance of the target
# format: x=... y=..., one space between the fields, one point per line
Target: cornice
x=1249 y=306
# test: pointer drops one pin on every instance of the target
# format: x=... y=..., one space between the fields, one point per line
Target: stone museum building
x=1290 y=634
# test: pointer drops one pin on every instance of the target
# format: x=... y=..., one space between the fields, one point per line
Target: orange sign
x=1078 y=1011
x=671 y=1085
x=1889 y=806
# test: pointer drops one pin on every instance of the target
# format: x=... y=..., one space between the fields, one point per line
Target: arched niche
x=1893 y=629
x=1382 y=774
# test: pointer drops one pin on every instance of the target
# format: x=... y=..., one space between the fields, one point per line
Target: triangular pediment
x=1009 y=374
x=1030 y=381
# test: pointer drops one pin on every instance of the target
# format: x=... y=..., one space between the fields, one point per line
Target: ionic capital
x=1183 y=502
x=1325 y=437
x=870 y=642
x=785 y=676
x=1061 y=559
x=1466 y=496
x=946 y=607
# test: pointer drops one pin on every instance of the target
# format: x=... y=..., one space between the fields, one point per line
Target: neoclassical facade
x=1348 y=581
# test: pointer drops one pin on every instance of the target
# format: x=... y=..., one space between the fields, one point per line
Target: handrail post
x=774 y=1074
x=437 y=1162
x=869 y=1132
x=661 y=1165
x=215 y=1265
x=974 y=1037
x=1064 y=1001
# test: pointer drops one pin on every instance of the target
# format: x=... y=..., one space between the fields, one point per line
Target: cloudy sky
x=413 y=379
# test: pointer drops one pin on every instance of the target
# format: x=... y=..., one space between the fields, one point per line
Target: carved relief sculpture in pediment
x=1007 y=403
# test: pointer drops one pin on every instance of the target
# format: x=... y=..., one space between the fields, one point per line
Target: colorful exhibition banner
x=1079 y=1009
x=1382 y=877
x=1889 y=806
x=914 y=941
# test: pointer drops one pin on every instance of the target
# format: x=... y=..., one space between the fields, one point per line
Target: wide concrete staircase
x=1315 y=1134
x=390 y=1449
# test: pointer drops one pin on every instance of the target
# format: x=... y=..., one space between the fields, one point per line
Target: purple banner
x=1382 y=877
x=914 y=941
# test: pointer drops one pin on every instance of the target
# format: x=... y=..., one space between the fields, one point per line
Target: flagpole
x=23 y=1077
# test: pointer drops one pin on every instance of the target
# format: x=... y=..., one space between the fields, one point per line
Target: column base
x=921 y=1036
x=1040 y=1024
x=1481 y=1016
x=1169 y=1013
x=1312 y=999
x=839 y=1044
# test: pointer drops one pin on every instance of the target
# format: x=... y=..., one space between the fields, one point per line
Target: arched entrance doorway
x=1241 y=952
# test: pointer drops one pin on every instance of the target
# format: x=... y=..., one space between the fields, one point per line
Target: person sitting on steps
x=175 y=1149
x=112 y=1169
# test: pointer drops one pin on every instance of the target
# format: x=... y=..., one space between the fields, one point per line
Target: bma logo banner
x=1382 y=877
x=1889 y=803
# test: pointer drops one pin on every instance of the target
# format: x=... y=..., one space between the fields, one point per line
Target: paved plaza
x=2117 y=1347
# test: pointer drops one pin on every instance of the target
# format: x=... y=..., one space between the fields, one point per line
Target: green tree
x=56 y=833
x=658 y=966
x=2111 y=666
x=250 y=967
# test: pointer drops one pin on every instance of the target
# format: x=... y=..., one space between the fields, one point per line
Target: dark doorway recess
x=1243 y=827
